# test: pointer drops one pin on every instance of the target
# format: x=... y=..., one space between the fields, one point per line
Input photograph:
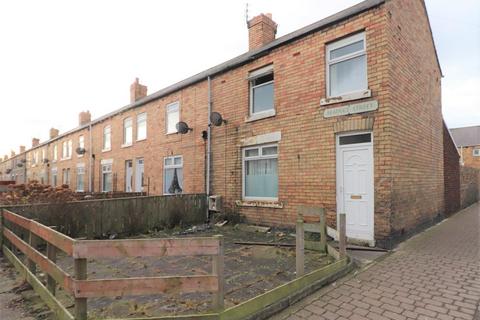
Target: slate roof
x=466 y=136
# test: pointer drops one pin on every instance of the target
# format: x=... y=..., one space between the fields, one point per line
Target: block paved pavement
x=434 y=275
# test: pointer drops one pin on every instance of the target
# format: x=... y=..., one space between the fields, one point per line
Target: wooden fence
x=82 y=288
x=313 y=220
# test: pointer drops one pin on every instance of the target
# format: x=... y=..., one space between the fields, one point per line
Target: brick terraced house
x=343 y=114
x=467 y=140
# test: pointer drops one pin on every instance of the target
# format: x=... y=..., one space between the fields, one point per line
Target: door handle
x=355 y=197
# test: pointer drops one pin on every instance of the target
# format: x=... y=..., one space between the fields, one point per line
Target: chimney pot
x=137 y=91
x=35 y=142
x=22 y=149
x=53 y=133
x=261 y=31
x=84 y=118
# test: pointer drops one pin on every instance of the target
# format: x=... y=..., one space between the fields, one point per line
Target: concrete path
x=434 y=275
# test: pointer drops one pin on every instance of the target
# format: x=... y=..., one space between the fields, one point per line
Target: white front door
x=139 y=175
x=355 y=192
x=128 y=176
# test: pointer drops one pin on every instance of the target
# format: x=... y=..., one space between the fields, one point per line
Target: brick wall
x=467 y=156
x=469 y=185
x=416 y=119
x=451 y=173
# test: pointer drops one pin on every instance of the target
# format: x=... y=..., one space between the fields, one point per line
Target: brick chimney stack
x=35 y=142
x=84 y=117
x=137 y=91
x=5 y=157
x=261 y=30
x=12 y=154
x=22 y=149
x=53 y=133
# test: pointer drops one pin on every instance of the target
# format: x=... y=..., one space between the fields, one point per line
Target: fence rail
x=82 y=288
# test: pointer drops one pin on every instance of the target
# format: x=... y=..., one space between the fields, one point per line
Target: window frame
x=168 y=112
x=141 y=118
x=476 y=152
x=340 y=44
x=125 y=127
x=103 y=164
x=172 y=166
x=104 y=148
x=80 y=171
x=254 y=75
x=260 y=156
x=81 y=144
x=55 y=153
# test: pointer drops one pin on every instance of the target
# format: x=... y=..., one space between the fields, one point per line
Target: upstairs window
x=142 y=126
x=81 y=144
x=173 y=117
x=260 y=173
x=67 y=149
x=347 y=66
x=173 y=175
x=127 y=131
x=476 y=152
x=261 y=90
x=107 y=138
x=55 y=153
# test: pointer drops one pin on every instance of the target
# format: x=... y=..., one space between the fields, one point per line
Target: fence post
x=1 y=229
x=217 y=270
x=52 y=256
x=32 y=241
x=342 y=241
x=80 y=268
x=323 y=230
x=300 y=247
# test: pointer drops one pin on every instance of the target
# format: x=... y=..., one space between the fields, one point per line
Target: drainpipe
x=90 y=170
x=209 y=142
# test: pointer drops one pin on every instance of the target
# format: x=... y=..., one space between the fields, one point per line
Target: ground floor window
x=80 y=178
x=260 y=172
x=66 y=176
x=173 y=175
x=54 y=181
x=107 y=177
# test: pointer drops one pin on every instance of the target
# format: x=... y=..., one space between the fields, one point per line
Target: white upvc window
x=173 y=175
x=107 y=175
x=81 y=144
x=262 y=91
x=80 y=177
x=67 y=149
x=107 y=138
x=142 y=126
x=346 y=61
x=34 y=158
x=260 y=172
x=172 y=117
x=55 y=153
x=127 y=132
x=66 y=176
x=476 y=152
x=43 y=155
x=54 y=180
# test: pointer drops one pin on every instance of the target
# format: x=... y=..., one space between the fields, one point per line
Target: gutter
x=90 y=158
x=209 y=143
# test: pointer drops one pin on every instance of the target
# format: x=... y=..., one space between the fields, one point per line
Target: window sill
x=126 y=145
x=259 y=116
x=171 y=133
x=347 y=97
x=65 y=159
x=106 y=150
x=275 y=204
x=138 y=140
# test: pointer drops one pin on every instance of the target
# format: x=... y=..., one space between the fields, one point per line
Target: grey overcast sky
x=58 y=58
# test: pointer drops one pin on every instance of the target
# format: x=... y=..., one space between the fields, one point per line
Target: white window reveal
x=476 y=152
x=107 y=176
x=347 y=66
x=80 y=177
x=173 y=117
x=107 y=138
x=260 y=173
x=55 y=152
x=142 y=126
x=262 y=91
x=127 y=132
x=173 y=175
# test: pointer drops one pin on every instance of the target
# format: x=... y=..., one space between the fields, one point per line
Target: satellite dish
x=45 y=160
x=19 y=164
x=216 y=119
x=80 y=151
x=182 y=127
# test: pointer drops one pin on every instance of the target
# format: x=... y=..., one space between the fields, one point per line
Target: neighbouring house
x=467 y=140
x=344 y=114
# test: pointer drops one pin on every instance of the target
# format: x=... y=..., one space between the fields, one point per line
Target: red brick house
x=343 y=114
